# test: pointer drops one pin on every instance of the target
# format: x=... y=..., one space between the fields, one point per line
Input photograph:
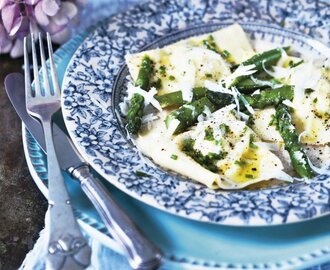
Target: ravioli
x=187 y=64
x=228 y=143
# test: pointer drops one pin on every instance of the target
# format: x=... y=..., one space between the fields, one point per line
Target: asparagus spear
x=282 y=120
x=145 y=72
x=261 y=60
x=175 y=98
x=135 y=110
x=248 y=86
x=188 y=113
x=270 y=97
x=267 y=58
x=220 y=100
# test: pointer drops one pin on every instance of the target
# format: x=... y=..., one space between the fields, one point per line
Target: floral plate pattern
x=90 y=98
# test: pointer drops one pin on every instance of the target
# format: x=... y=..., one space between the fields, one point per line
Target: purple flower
x=19 y=17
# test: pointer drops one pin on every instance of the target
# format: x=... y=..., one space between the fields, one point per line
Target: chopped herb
x=209 y=134
x=171 y=78
x=162 y=71
x=250 y=176
x=225 y=54
x=251 y=144
x=250 y=121
x=175 y=157
x=224 y=129
x=157 y=84
x=210 y=44
x=273 y=120
x=218 y=142
x=293 y=65
x=208 y=75
x=142 y=174
x=309 y=90
x=240 y=163
x=314 y=100
x=208 y=161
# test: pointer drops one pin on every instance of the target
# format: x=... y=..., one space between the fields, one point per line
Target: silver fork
x=67 y=248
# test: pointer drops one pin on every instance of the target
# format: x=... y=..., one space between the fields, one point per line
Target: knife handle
x=142 y=254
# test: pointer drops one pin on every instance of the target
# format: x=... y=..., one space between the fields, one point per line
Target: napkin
x=102 y=257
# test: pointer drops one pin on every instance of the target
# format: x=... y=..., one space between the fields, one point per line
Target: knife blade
x=140 y=251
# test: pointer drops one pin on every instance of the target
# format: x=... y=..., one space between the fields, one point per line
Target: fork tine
x=28 y=90
x=35 y=67
x=44 y=67
x=52 y=67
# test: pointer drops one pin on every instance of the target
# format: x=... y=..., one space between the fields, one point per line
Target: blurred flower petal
x=16 y=26
x=40 y=15
x=50 y=7
x=24 y=28
x=5 y=41
x=10 y=14
x=17 y=49
x=20 y=17
x=81 y=3
x=61 y=36
x=65 y=14
x=3 y=3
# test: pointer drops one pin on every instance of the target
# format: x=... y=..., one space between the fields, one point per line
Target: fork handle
x=67 y=248
x=142 y=254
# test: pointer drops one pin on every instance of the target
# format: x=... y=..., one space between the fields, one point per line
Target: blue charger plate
x=190 y=244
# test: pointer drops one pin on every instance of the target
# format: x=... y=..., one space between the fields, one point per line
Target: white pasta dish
x=227 y=114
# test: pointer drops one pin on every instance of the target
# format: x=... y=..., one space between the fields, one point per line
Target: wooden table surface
x=22 y=206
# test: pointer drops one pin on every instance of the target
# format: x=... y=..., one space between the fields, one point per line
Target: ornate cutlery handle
x=67 y=248
x=142 y=254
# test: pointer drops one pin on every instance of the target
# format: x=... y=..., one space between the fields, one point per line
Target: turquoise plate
x=189 y=244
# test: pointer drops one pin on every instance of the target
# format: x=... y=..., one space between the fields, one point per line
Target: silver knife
x=141 y=253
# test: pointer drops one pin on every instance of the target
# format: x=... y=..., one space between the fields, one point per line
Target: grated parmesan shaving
x=243 y=116
x=148 y=95
x=257 y=92
x=124 y=106
x=323 y=170
x=302 y=134
x=172 y=127
x=288 y=103
x=216 y=87
x=268 y=83
x=246 y=104
x=279 y=72
x=240 y=71
x=149 y=118
x=284 y=57
x=205 y=115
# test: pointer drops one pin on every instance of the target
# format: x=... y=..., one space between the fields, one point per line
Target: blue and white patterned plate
x=90 y=99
